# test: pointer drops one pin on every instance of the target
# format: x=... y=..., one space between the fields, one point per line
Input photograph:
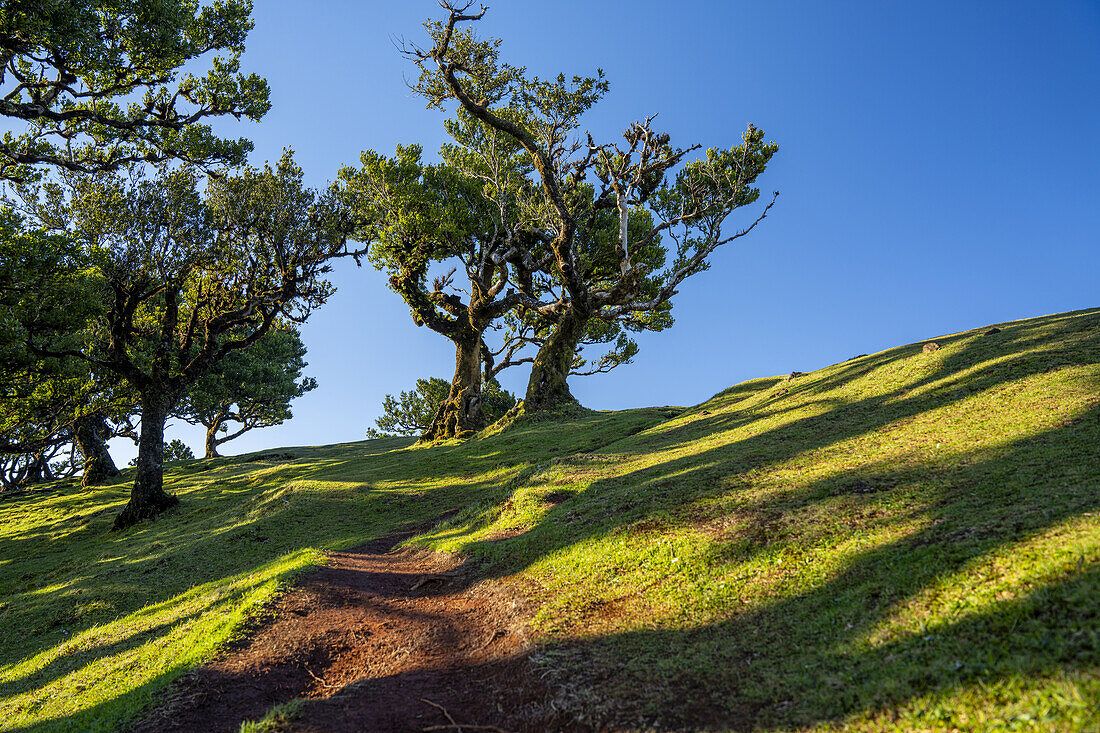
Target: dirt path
x=368 y=641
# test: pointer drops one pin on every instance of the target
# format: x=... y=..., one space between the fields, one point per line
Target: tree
x=98 y=83
x=584 y=182
x=186 y=280
x=98 y=86
x=177 y=450
x=55 y=461
x=412 y=412
x=90 y=434
x=462 y=211
x=252 y=387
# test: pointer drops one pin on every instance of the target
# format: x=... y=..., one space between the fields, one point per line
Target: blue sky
x=938 y=167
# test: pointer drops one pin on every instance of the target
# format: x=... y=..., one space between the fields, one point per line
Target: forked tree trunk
x=90 y=433
x=148 y=498
x=548 y=387
x=460 y=415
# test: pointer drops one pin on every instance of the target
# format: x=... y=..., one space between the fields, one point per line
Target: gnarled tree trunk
x=212 y=441
x=460 y=415
x=90 y=433
x=548 y=387
x=148 y=497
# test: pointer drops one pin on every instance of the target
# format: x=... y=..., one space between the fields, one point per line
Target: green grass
x=903 y=541
x=277 y=719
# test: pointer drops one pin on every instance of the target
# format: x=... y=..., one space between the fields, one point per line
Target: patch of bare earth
x=379 y=640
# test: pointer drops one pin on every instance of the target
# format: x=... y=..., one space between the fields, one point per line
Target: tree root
x=131 y=515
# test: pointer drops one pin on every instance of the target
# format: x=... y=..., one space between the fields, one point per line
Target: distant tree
x=585 y=184
x=252 y=387
x=411 y=413
x=58 y=460
x=174 y=450
x=98 y=84
x=177 y=450
x=187 y=281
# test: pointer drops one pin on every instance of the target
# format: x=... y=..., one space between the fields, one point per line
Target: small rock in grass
x=930 y=347
x=992 y=331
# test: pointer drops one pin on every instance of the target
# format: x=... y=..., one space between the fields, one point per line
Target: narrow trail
x=378 y=640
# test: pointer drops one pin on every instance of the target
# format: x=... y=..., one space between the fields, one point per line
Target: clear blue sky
x=939 y=169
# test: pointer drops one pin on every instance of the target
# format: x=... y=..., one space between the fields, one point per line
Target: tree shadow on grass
x=790 y=663
x=673 y=485
x=800 y=662
x=120 y=707
x=66 y=663
x=807 y=658
x=843 y=646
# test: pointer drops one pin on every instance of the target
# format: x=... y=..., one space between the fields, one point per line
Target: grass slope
x=906 y=540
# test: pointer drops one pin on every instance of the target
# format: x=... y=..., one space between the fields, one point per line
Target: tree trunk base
x=550 y=402
x=98 y=472
x=148 y=509
x=459 y=416
x=548 y=386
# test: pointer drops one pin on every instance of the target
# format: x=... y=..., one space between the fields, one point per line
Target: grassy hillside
x=905 y=540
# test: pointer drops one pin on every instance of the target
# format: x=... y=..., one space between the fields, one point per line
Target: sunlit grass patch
x=111 y=664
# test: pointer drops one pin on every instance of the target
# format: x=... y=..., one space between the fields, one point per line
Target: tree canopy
x=185 y=277
x=99 y=84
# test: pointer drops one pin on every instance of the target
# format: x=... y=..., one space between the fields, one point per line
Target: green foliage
x=416 y=214
x=411 y=412
x=712 y=188
x=199 y=278
x=174 y=450
x=184 y=277
x=252 y=387
x=98 y=83
x=48 y=294
x=177 y=450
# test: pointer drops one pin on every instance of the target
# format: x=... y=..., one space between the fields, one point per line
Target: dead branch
x=453 y=725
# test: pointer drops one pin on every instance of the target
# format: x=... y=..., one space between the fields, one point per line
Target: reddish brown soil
x=371 y=642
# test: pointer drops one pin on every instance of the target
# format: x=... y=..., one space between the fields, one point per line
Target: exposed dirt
x=379 y=640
